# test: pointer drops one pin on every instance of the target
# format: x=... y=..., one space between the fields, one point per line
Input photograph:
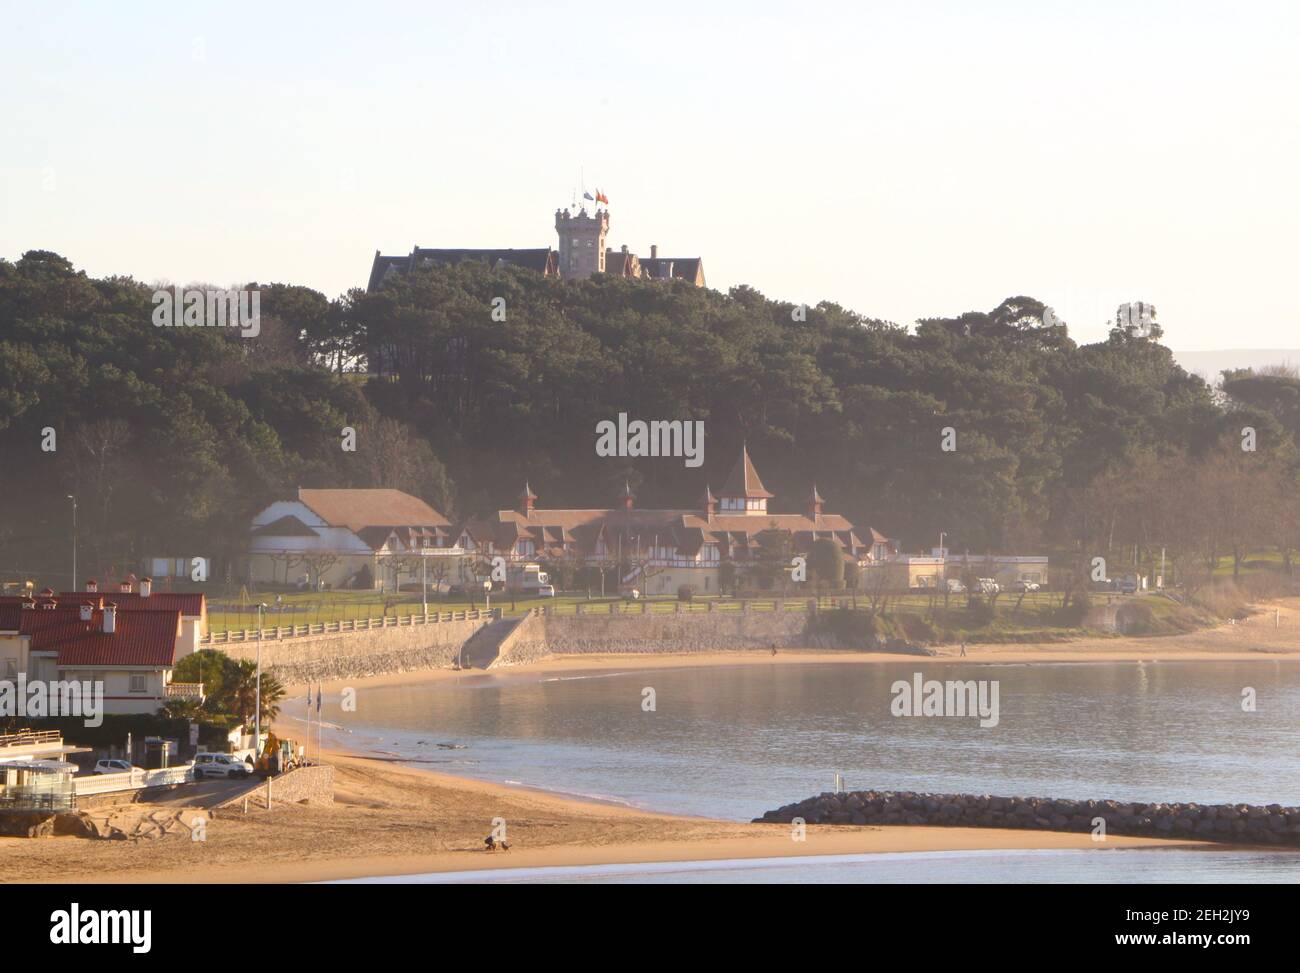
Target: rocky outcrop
x=1238 y=823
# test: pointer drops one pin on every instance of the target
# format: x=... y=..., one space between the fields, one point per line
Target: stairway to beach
x=481 y=649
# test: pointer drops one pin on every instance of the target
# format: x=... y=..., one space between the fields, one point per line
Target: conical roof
x=744 y=481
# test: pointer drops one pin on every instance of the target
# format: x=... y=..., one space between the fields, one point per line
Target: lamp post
x=257 y=703
x=74 y=542
x=424 y=580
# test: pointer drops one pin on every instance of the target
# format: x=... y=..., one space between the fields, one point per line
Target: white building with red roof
x=347 y=538
x=92 y=638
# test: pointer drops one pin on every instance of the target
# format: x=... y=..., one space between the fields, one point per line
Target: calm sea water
x=734 y=742
x=1024 y=867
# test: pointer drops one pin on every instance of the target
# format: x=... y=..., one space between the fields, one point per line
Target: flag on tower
x=589 y=196
x=601 y=197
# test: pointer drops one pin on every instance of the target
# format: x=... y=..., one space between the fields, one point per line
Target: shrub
x=1072 y=615
x=685 y=592
x=979 y=611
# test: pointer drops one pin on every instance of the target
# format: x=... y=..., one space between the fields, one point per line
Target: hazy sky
x=903 y=159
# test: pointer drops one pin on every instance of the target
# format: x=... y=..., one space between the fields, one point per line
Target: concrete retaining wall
x=1242 y=823
x=352 y=655
x=541 y=635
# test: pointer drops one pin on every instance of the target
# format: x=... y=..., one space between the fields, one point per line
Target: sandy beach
x=392 y=820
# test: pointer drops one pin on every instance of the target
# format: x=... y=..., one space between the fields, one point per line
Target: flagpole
x=309 y=714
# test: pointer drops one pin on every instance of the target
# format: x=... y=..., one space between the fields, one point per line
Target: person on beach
x=963 y=649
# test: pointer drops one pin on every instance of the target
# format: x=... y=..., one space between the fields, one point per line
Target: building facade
x=658 y=550
x=581 y=251
x=349 y=539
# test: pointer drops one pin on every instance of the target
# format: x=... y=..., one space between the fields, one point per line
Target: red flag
x=601 y=197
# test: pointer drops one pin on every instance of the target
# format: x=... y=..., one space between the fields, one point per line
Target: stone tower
x=582 y=242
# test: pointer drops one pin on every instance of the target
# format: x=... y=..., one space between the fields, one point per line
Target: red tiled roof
x=357 y=509
x=192 y=604
x=141 y=638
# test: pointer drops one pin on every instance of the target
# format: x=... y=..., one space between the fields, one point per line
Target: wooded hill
x=172 y=437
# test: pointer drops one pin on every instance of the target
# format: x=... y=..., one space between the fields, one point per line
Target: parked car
x=987 y=586
x=219 y=765
x=114 y=767
x=955 y=587
x=1023 y=585
x=1127 y=586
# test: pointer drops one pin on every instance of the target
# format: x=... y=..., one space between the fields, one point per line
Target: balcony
x=185 y=690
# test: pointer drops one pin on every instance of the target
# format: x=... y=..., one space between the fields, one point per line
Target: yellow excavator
x=276 y=757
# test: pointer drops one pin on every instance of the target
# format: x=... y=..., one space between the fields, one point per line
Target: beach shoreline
x=393 y=818
x=424 y=821
x=1085 y=652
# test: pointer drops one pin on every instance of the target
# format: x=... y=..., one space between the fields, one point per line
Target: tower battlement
x=582 y=242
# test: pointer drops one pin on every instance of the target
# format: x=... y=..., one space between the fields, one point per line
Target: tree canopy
x=171 y=438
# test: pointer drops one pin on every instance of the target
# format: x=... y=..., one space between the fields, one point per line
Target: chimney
x=125 y=587
x=87 y=610
x=47 y=592
x=110 y=619
x=654 y=251
x=49 y=605
x=92 y=586
x=146 y=587
x=29 y=603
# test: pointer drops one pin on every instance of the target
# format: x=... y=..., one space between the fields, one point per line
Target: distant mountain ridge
x=1208 y=364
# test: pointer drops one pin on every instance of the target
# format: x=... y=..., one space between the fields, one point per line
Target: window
x=137 y=684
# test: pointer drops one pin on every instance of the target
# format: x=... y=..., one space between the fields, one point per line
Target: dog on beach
x=492 y=844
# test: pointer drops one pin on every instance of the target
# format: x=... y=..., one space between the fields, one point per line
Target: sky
x=905 y=160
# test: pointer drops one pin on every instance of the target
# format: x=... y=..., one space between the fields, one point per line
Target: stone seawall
x=660 y=632
x=1240 y=823
x=313 y=785
x=353 y=655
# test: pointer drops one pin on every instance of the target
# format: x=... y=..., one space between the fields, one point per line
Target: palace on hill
x=581 y=252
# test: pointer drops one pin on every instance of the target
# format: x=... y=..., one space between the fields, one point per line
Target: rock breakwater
x=1273 y=824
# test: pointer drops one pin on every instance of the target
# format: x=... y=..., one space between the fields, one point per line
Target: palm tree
x=183 y=709
x=243 y=693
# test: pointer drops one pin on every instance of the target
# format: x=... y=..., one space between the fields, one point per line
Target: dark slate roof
x=683 y=268
x=543 y=260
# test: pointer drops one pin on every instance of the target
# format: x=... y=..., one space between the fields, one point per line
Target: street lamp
x=257 y=704
x=74 y=542
x=487 y=592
